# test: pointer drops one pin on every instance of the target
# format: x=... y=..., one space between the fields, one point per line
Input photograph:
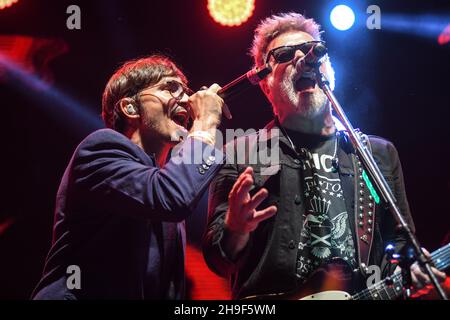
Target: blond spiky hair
x=275 y=25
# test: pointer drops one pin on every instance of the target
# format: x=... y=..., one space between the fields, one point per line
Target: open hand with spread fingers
x=242 y=216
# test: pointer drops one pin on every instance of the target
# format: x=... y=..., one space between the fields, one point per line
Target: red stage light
x=7 y=3
x=231 y=12
x=33 y=55
x=203 y=284
x=444 y=37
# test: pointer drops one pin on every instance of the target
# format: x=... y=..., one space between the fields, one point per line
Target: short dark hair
x=132 y=77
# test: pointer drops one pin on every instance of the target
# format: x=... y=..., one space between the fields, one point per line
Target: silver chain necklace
x=334 y=160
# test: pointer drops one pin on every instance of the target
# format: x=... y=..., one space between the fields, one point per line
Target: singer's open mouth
x=180 y=116
x=305 y=84
x=304 y=80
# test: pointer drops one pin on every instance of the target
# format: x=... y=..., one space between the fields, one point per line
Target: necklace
x=334 y=160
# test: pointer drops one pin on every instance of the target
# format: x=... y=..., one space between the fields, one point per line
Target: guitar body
x=336 y=281
x=329 y=295
x=332 y=281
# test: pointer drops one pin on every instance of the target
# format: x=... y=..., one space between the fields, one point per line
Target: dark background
x=392 y=84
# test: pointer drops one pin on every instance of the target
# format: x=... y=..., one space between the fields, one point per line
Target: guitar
x=323 y=283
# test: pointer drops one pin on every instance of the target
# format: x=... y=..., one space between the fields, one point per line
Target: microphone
x=307 y=66
x=244 y=82
x=238 y=85
x=314 y=55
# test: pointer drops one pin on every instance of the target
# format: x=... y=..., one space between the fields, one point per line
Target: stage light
x=444 y=37
x=58 y=105
x=7 y=3
x=424 y=26
x=231 y=12
x=342 y=17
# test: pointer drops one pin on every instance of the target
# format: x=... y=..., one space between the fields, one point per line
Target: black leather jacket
x=268 y=263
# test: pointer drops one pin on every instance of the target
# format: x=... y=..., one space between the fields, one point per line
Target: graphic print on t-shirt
x=326 y=232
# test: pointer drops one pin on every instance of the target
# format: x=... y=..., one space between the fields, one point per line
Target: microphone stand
x=377 y=177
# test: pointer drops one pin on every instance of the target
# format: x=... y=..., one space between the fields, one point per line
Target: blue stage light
x=73 y=115
x=342 y=17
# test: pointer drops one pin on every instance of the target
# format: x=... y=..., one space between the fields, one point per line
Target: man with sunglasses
x=118 y=229
x=273 y=228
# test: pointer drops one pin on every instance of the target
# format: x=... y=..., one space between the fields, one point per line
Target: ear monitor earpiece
x=131 y=109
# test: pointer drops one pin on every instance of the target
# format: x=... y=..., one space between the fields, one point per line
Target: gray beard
x=309 y=105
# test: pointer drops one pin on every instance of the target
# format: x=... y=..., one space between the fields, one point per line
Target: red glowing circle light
x=6 y=3
x=231 y=13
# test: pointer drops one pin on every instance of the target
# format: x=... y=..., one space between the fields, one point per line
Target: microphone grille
x=320 y=50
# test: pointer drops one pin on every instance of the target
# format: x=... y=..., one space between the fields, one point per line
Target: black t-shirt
x=326 y=233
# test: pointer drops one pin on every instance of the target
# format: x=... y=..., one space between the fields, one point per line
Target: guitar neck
x=392 y=287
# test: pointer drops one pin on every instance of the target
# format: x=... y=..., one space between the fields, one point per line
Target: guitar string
x=441 y=253
x=443 y=257
x=444 y=260
x=375 y=289
x=367 y=293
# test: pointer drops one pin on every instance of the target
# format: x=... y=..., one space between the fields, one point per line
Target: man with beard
x=118 y=230
x=274 y=227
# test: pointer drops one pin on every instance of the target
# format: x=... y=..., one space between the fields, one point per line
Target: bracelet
x=205 y=135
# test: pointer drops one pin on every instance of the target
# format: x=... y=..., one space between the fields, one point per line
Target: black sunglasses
x=287 y=53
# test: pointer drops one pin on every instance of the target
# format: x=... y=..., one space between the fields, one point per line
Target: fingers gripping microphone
x=244 y=82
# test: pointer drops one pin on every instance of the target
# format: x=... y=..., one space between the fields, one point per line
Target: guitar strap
x=364 y=208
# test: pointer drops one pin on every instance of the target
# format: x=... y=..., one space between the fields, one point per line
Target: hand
x=242 y=216
x=419 y=277
x=206 y=109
